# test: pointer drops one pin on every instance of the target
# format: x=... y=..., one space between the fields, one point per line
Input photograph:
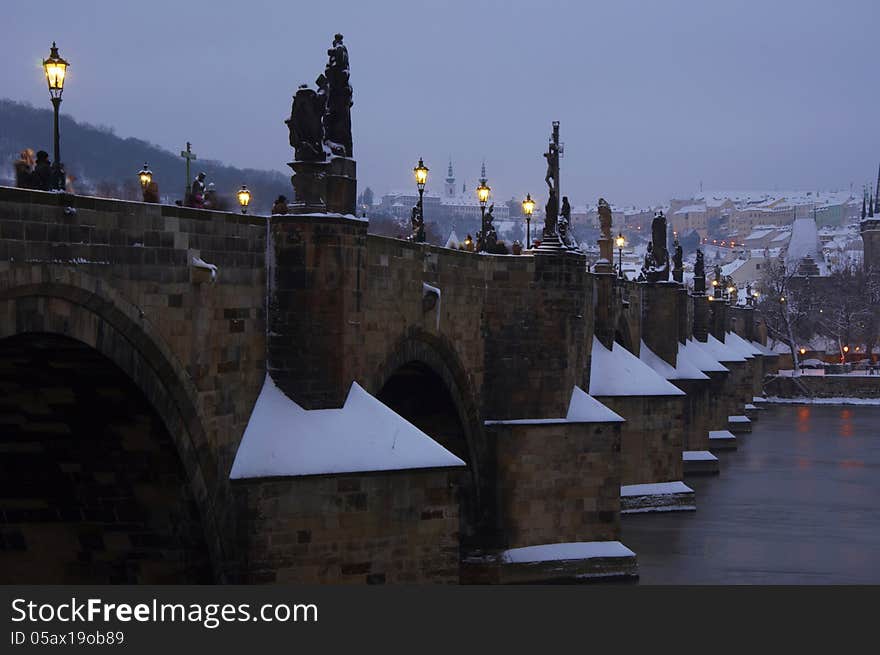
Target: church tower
x=449 y=188
x=870 y=230
x=877 y=194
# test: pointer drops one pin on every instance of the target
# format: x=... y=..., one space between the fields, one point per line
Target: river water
x=797 y=503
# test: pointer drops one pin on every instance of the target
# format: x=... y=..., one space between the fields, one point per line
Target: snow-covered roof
x=700 y=356
x=764 y=350
x=691 y=209
x=742 y=346
x=582 y=408
x=683 y=369
x=731 y=268
x=804 y=242
x=721 y=351
x=283 y=439
x=617 y=372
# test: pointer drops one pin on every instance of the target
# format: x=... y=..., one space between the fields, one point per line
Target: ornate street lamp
x=483 y=196
x=528 y=206
x=621 y=242
x=244 y=198
x=421 y=173
x=145 y=175
x=56 y=72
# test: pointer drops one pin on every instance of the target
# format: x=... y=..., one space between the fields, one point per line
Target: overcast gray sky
x=653 y=97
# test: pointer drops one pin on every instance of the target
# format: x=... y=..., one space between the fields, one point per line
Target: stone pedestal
x=604 y=326
x=551 y=244
x=718 y=318
x=606 y=255
x=342 y=185
x=660 y=316
x=324 y=186
x=701 y=317
x=309 y=187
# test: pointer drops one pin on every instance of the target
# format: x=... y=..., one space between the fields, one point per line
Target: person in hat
x=280 y=206
x=42 y=177
x=24 y=169
x=197 y=191
x=211 y=201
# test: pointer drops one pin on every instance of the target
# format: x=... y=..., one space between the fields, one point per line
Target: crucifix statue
x=189 y=156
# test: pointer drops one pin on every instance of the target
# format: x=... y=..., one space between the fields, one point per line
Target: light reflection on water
x=796 y=503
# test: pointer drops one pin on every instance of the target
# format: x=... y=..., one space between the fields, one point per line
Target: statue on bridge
x=552 y=180
x=604 y=211
x=487 y=240
x=337 y=117
x=564 y=224
x=418 y=226
x=324 y=173
x=678 y=263
x=304 y=124
x=657 y=260
x=699 y=273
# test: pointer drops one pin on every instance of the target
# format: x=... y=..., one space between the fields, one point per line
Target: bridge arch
x=423 y=380
x=84 y=313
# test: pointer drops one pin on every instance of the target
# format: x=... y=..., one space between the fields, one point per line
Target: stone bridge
x=144 y=438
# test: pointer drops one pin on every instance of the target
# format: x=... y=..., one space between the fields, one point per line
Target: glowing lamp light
x=620 y=241
x=421 y=173
x=145 y=175
x=56 y=71
x=846 y=349
x=528 y=205
x=244 y=198
x=731 y=289
x=803 y=351
x=714 y=283
x=483 y=193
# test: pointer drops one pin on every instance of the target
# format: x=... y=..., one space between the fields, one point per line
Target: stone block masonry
x=557 y=481
x=651 y=438
x=373 y=528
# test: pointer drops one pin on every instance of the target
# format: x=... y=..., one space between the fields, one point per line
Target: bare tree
x=785 y=310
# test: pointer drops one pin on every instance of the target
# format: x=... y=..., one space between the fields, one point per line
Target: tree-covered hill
x=102 y=163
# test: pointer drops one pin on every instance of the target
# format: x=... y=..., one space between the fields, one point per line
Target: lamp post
x=244 y=198
x=421 y=173
x=145 y=175
x=483 y=196
x=56 y=71
x=621 y=242
x=528 y=206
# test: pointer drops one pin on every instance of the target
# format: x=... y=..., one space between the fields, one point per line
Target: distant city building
x=456 y=203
